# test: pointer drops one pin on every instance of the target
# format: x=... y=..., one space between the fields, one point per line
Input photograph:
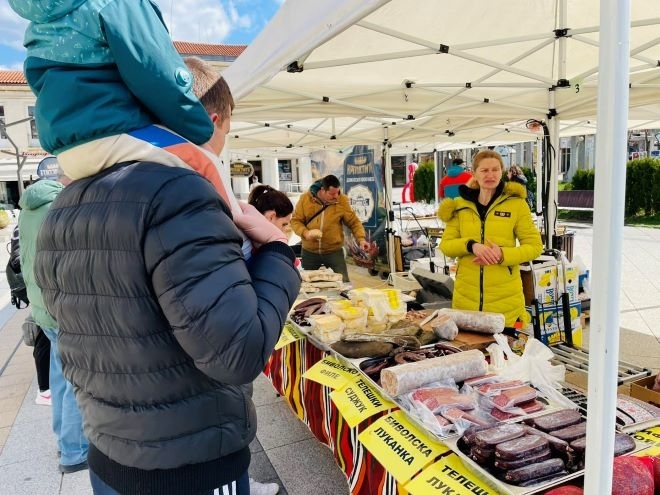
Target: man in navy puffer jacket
x=162 y=323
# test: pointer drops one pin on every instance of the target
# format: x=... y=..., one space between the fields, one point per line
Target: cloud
x=203 y=21
x=13 y=27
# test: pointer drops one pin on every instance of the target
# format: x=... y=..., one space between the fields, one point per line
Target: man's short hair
x=214 y=90
x=330 y=181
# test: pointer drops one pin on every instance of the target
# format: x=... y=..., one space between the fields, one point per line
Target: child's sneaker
x=43 y=398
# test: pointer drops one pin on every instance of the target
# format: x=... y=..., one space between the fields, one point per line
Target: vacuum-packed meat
x=520 y=447
x=516 y=463
x=535 y=470
x=498 y=434
x=572 y=432
x=556 y=420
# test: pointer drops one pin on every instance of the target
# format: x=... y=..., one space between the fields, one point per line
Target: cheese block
x=326 y=328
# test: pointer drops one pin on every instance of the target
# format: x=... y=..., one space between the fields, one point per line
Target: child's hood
x=40 y=11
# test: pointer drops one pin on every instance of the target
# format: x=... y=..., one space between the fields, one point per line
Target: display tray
x=502 y=486
x=414 y=415
x=631 y=414
x=311 y=337
x=506 y=488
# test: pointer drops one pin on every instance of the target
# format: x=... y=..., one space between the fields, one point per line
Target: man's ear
x=214 y=117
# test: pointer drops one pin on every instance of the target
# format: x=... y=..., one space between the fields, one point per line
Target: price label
x=449 y=475
x=650 y=436
x=289 y=335
x=331 y=372
x=358 y=400
x=400 y=446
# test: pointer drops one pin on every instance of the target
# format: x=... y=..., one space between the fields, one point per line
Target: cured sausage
x=476 y=321
x=535 y=470
x=515 y=464
x=524 y=446
x=410 y=376
x=491 y=437
x=572 y=432
x=556 y=420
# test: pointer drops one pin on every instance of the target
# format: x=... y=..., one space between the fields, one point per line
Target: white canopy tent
x=444 y=71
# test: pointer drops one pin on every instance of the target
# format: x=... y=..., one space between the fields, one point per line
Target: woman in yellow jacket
x=490 y=230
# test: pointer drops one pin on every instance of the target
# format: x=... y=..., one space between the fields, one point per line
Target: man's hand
x=364 y=245
x=313 y=235
x=258 y=229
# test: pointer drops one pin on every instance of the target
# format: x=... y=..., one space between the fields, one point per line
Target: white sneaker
x=257 y=488
x=43 y=398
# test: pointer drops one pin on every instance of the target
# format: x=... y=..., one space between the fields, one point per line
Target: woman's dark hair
x=264 y=198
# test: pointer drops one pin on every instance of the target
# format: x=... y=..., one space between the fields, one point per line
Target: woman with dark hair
x=274 y=205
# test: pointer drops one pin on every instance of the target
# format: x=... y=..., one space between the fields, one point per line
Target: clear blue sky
x=207 y=21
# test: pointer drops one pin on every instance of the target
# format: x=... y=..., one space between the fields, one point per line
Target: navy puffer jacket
x=161 y=320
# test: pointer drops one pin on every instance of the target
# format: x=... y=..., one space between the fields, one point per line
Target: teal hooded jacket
x=35 y=203
x=105 y=67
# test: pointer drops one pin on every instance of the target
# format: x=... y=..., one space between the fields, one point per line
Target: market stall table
x=315 y=403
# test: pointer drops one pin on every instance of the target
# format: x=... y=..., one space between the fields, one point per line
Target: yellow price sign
x=449 y=475
x=289 y=335
x=358 y=400
x=331 y=372
x=650 y=436
x=401 y=446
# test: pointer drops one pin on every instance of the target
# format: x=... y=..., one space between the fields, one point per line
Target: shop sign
x=48 y=168
x=401 y=447
x=360 y=184
x=289 y=335
x=331 y=372
x=241 y=169
x=449 y=475
x=359 y=400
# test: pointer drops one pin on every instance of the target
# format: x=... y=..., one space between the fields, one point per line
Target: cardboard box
x=641 y=389
x=540 y=280
x=572 y=274
x=551 y=322
x=404 y=281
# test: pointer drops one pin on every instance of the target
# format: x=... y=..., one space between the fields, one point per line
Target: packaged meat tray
x=503 y=486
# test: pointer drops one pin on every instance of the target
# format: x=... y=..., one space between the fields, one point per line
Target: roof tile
x=11 y=77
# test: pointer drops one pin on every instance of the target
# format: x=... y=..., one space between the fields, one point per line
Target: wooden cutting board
x=472 y=340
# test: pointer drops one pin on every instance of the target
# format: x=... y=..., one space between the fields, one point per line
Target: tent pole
x=554 y=160
x=609 y=199
x=387 y=164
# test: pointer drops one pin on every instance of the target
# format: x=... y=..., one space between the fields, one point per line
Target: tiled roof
x=187 y=48
x=12 y=77
x=9 y=77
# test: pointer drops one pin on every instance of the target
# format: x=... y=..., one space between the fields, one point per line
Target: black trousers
x=41 y=354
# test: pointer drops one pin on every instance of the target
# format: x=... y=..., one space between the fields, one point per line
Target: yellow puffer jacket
x=508 y=223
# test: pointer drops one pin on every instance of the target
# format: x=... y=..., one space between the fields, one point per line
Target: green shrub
x=642 y=191
x=424 y=182
x=583 y=180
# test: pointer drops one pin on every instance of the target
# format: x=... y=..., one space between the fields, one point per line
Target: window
x=34 y=135
x=399 y=173
x=3 y=134
x=565 y=162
